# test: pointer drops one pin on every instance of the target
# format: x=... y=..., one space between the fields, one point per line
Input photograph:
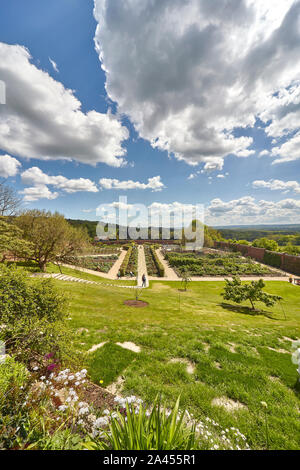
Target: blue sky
x=148 y=89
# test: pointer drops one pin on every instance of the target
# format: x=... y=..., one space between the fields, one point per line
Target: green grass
x=228 y=346
x=32 y=267
x=119 y=359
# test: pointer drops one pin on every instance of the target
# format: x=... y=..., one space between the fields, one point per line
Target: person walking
x=144 y=280
x=119 y=275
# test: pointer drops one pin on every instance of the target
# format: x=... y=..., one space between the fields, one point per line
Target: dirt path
x=112 y=273
x=142 y=267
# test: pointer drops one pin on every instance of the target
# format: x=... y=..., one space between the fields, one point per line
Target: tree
x=53 y=239
x=185 y=278
x=266 y=243
x=11 y=241
x=238 y=292
x=9 y=201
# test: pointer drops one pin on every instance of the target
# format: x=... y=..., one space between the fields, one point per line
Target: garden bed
x=96 y=263
x=207 y=263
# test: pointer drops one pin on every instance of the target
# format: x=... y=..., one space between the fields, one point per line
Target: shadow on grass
x=247 y=310
x=29 y=266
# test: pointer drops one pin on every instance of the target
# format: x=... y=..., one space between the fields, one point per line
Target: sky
x=170 y=103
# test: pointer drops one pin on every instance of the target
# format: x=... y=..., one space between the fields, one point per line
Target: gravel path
x=142 y=267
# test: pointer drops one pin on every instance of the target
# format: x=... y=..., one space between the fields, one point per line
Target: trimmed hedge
x=272 y=259
x=160 y=267
x=124 y=265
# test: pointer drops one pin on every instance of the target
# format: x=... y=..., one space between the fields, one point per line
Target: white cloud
x=247 y=210
x=54 y=65
x=38 y=192
x=44 y=120
x=188 y=73
x=277 y=185
x=154 y=183
x=288 y=151
x=9 y=166
x=264 y=152
x=35 y=176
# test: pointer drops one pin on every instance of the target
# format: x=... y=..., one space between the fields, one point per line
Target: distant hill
x=251 y=232
x=277 y=227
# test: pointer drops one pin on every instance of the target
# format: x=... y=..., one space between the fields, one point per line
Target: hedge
x=272 y=259
x=124 y=265
x=160 y=267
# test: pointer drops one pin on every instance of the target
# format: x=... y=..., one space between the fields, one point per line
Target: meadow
x=226 y=362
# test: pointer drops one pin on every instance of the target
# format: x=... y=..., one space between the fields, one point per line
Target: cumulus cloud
x=247 y=210
x=42 y=119
x=38 y=192
x=189 y=73
x=154 y=183
x=288 y=151
x=35 y=176
x=277 y=185
x=9 y=166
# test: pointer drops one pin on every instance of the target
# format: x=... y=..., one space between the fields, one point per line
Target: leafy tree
x=52 y=238
x=9 y=201
x=238 y=292
x=243 y=242
x=266 y=243
x=11 y=241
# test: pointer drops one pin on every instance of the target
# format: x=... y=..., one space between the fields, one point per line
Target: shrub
x=124 y=265
x=159 y=265
x=32 y=317
x=272 y=259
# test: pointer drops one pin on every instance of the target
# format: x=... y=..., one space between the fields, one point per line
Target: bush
x=159 y=266
x=32 y=317
x=272 y=259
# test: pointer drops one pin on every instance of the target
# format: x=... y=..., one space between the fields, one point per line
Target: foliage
x=272 y=259
x=238 y=292
x=32 y=316
x=53 y=239
x=130 y=261
x=266 y=243
x=158 y=264
x=11 y=241
x=124 y=265
x=218 y=264
x=31 y=412
x=140 y=429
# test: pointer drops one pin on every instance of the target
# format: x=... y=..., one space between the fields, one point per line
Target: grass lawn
x=236 y=354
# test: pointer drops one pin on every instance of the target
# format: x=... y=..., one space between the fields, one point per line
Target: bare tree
x=9 y=200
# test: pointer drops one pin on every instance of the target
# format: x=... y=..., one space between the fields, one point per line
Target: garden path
x=142 y=267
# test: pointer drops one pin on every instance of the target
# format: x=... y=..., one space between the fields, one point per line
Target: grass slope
x=236 y=354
